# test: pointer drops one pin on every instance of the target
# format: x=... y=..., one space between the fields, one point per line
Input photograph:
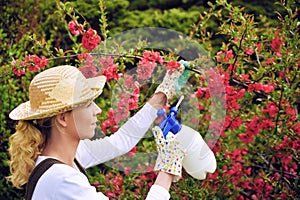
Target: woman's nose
x=97 y=109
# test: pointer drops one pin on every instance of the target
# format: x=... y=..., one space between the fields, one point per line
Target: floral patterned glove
x=170 y=155
x=168 y=85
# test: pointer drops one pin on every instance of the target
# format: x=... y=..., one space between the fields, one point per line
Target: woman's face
x=85 y=120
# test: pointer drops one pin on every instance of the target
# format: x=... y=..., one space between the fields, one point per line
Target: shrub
x=257 y=63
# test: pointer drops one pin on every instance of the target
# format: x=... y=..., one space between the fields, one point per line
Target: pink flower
x=87 y=60
x=129 y=80
x=267 y=88
x=18 y=67
x=134 y=98
x=84 y=56
x=219 y=56
x=243 y=77
x=224 y=56
x=232 y=96
x=75 y=28
x=123 y=108
x=253 y=127
x=145 y=68
x=110 y=194
x=249 y=51
x=153 y=56
x=90 y=39
x=276 y=44
x=108 y=68
x=291 y=112
x=88 y=71
x=157 y=57
x=258 y=47
x=34 y=63
x=110 y=121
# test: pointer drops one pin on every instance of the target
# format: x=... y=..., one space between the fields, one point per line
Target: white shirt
x=64 y=182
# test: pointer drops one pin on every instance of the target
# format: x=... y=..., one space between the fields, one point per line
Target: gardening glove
x=173 y=81
x=184 y=77
x=170 y=155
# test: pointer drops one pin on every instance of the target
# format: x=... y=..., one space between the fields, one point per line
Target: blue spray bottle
x=170 y=123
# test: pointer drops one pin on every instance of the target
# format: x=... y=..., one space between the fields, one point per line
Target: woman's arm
x=158 y=100
x=161 y=187
x=93 y=152
x=164 y=180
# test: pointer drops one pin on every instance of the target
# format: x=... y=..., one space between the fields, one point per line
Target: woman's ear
x=61 y=119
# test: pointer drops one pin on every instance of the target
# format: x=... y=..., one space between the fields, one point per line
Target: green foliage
x=36 y=27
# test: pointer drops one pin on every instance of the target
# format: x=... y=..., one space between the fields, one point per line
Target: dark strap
x=35 y=175
x=81 y=169
x=40 y=169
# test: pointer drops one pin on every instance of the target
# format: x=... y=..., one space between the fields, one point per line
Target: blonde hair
x=26 y=144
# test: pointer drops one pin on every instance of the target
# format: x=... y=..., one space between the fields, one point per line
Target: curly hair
x=26 y=144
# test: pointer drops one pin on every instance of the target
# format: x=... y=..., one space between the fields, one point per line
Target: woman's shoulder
x=57 y=178
x=58 y=170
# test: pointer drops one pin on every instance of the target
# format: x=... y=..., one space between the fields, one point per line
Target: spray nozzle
x=170 y=123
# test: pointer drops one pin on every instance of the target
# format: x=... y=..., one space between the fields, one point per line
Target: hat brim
x=24 y=111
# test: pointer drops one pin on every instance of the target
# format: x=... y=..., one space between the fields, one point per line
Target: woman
x=58 y=121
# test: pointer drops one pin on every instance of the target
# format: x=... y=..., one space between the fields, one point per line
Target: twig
x=272 y=169
x=257 y=58
x=239 y=48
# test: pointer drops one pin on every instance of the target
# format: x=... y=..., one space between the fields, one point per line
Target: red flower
x=200 y=92
x=132 y=152
x=267 y=88
x=108 y=68
x=108 y=122
x=243 y=77
x=270 y=61
x=172 y=65
x=153 y=56
x=258 y=47
x=90 y=39
x=236 y=123
x=229 y=54
x=34 y=63
x=18 y=67
x=249 y=51
x=271 y=109
x=276 y=44
x=75 y=28
x=246 y=138
x=224 y=56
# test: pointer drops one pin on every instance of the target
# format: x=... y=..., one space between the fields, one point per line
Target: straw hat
x=57 y=90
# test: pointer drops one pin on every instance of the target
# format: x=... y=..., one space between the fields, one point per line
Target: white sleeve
x=158 y=193
x=93 y=152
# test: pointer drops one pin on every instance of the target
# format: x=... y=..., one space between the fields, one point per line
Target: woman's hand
x=170 y=155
